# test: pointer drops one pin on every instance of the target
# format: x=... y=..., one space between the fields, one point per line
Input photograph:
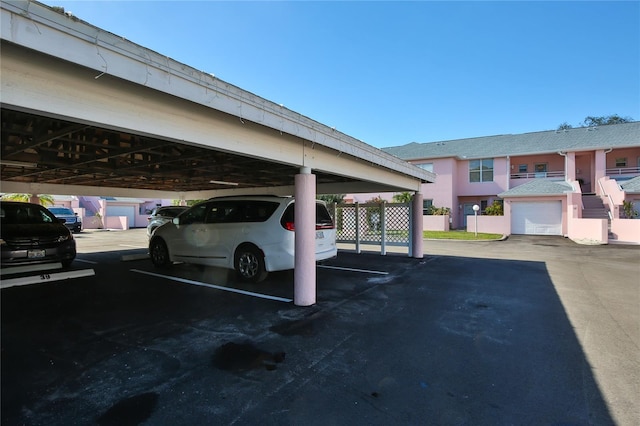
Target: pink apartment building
x=571 y=182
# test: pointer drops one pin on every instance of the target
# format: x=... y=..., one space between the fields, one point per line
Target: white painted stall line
x=46 y=277
x=30 y=268
x=217 y=287
x=364 y=271
x=85 y=261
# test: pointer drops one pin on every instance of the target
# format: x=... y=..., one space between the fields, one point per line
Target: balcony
x=627 y=172
x=539 y=175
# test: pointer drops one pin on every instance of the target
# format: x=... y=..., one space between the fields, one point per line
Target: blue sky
x=391 y=73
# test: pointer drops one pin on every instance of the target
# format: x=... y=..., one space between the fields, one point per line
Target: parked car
x=71 y=218
x=161 y=215
x=29 y=234
x=252 y=234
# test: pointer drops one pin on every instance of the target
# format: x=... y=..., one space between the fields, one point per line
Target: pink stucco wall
x=435 y=223
x=626 y=230
x=593 y=231
x=489 y=225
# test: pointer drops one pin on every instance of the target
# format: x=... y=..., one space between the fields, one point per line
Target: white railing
x=610 y=210
x=623 y=171
x=537 y=175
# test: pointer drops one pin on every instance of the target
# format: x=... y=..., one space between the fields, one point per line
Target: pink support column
x=417 y=240
x=304 y=277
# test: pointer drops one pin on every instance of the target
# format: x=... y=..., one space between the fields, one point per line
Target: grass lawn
x=459 y=235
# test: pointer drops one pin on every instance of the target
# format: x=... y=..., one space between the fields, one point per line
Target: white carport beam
x=304 y=286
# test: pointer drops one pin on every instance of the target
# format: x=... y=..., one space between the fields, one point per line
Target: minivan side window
x=237 y=211
x=323 y=218
x=196 y=214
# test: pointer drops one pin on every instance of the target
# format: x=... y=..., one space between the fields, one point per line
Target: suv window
x=323 y=218
x=240 y=211
x=195 y=214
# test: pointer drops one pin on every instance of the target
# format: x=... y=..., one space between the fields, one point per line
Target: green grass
x=459 y=235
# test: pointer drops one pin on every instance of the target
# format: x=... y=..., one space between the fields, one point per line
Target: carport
x=86 y=112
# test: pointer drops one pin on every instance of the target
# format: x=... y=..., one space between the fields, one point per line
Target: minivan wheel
x=249 y=264
x=159 y=253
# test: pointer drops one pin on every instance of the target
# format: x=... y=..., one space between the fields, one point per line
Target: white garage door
x=128 y=211
x=536 y=218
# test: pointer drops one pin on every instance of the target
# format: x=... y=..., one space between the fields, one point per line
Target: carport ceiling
x=45 y=150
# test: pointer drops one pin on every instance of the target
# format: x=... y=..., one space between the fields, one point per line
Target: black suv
x=71 y=219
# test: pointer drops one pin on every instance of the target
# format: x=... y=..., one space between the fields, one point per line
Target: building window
x=522 y=168
x=426 y=207
x=621 y=162
x=481 y=170
x=483 y=205
x=426 y=166
x=541 y=168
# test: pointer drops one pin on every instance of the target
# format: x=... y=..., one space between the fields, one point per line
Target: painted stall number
x=45 y=277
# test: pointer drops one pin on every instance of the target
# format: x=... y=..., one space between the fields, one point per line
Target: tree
x=592 y=121
x=331 y=198
x=403 y=197
x=495 y=209
x=45 y=200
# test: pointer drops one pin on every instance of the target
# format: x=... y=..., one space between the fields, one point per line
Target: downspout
x=508 y=173
x=564 y=154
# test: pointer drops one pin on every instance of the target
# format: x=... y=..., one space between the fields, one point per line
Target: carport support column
x=304 y=277
x=417 y=238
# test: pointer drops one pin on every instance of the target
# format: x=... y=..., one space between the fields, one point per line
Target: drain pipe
x=564 y=154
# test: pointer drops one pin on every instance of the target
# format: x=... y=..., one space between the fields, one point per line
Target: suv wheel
x=249 y=264
x=159 y=253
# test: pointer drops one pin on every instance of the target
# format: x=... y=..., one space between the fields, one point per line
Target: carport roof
x=538 y=188
x=133 y=120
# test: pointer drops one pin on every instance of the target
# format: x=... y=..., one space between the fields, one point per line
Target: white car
x=252 y=234
x=161 y=215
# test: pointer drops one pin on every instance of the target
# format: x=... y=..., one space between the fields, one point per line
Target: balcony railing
x=538 y=175
x=618 y=171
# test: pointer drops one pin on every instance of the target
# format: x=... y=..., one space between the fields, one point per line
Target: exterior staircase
x=594 y=207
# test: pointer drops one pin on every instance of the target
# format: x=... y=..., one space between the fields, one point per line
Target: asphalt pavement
x=526 y=331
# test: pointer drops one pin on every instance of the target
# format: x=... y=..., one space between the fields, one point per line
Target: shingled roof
x=539 y=188
x=624 y=135
x=631 y=186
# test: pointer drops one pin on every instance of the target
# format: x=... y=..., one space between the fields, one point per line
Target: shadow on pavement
x=441 y=340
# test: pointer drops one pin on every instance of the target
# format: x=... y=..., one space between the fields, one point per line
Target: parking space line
x=30 y=268
x=46 y=277
x=365 y=271
x=217 y=287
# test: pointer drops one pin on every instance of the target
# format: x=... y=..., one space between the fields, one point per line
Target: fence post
x=383 y=228
x=357 y=227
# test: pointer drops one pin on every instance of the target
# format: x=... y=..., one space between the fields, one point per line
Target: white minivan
x=252 y=234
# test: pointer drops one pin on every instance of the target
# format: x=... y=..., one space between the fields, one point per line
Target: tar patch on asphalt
x=130 y=411
x=245 y=356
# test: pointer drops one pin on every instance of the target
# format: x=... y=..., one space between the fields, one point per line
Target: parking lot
x=530 y=330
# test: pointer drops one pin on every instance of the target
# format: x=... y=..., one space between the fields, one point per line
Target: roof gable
x=579 y=139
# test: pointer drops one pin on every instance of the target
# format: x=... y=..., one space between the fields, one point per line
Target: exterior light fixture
x=475 y=211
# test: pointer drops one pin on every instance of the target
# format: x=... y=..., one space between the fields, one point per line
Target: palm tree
x=45 y=199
